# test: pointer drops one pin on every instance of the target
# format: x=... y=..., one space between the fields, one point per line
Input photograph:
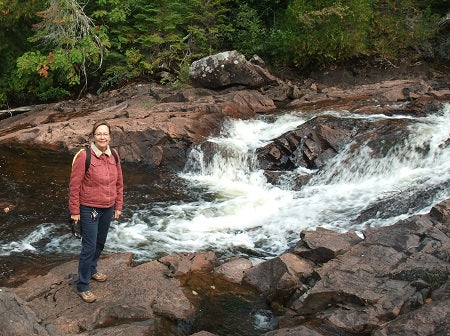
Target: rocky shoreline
x=393 y=281
x=156 y=125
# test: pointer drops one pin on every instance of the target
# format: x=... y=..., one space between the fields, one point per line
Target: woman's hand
x=117 y=214
x=75 y=218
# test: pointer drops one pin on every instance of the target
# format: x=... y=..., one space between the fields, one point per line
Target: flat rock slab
x=131 y=294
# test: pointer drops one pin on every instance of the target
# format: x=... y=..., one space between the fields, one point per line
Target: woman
x=95 y=197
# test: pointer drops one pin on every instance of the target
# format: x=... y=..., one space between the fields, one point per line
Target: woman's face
x=102 y=137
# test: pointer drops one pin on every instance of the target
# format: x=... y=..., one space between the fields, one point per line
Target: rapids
x=221 y=201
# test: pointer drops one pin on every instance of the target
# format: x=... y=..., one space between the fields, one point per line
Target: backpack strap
x=88 y=158
x=114 y=153
x=78 y=153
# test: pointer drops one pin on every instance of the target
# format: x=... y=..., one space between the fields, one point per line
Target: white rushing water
x=238 y=211
x=245 y=213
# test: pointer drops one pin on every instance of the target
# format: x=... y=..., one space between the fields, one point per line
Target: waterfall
x=238 y=211
x=227 y=205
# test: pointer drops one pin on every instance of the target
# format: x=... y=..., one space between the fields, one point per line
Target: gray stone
x=432 y=319
x=295 y=331
x=229 y=68
x=323 y=245
x=17 y=319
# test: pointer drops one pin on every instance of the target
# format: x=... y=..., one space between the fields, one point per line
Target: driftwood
x=12 y=112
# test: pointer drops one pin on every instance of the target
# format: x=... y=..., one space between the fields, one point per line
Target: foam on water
x=27 y=243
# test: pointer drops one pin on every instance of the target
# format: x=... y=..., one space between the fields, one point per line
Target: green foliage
x=399 y=25
x=249 y=31
x=270 y=12
x=182 y=80
x=329 y=31
x=207 y=26
x=437 y=278
x=320 y=31
x=37 y=73
x=113 y=42
x=69 y=33
x=69 y=47
x=141 y=35
x=16 y=20
x=148 y=37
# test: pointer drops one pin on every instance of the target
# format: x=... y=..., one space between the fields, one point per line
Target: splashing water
x=239 y=212
x=236 y=211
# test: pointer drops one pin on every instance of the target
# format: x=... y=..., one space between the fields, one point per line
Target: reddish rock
x=296 y=331
x=385 y=281
x=148 y=125
x=234 y=269
x=392 y=282
x=279 y=278
x=130 y=294
x=431 y=319
x=143 y=328
x=203 y=333
x=370 y=98
x=17 y=319
x=184 y=263
x=323 y=245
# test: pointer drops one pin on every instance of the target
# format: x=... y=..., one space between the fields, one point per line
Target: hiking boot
x=99 y=277
x=87 y=296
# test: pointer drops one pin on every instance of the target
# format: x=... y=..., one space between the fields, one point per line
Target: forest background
x=59 y=49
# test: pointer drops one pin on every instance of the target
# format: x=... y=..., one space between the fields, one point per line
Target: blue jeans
x=93 y=237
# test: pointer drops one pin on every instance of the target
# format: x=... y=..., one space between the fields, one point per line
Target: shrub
x=320 y=31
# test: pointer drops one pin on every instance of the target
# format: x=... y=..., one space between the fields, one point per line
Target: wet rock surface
x=318 y=140
x=380 y=284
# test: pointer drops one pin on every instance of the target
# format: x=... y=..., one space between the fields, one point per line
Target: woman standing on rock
x=95 y=197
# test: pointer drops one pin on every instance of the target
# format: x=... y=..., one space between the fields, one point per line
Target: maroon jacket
x=100 y=187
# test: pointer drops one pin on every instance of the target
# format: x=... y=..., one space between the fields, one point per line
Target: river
x=221 y=201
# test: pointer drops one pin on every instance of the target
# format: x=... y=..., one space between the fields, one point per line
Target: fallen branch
x=12 y=112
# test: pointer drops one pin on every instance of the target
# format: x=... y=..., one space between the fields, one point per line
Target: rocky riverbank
x=156 y=125
x=391 y=281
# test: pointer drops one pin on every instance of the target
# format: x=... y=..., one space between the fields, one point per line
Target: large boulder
x=229 y=68
x=323 y=245
x=280 y=278
x=181 y=264
x=233 y=270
